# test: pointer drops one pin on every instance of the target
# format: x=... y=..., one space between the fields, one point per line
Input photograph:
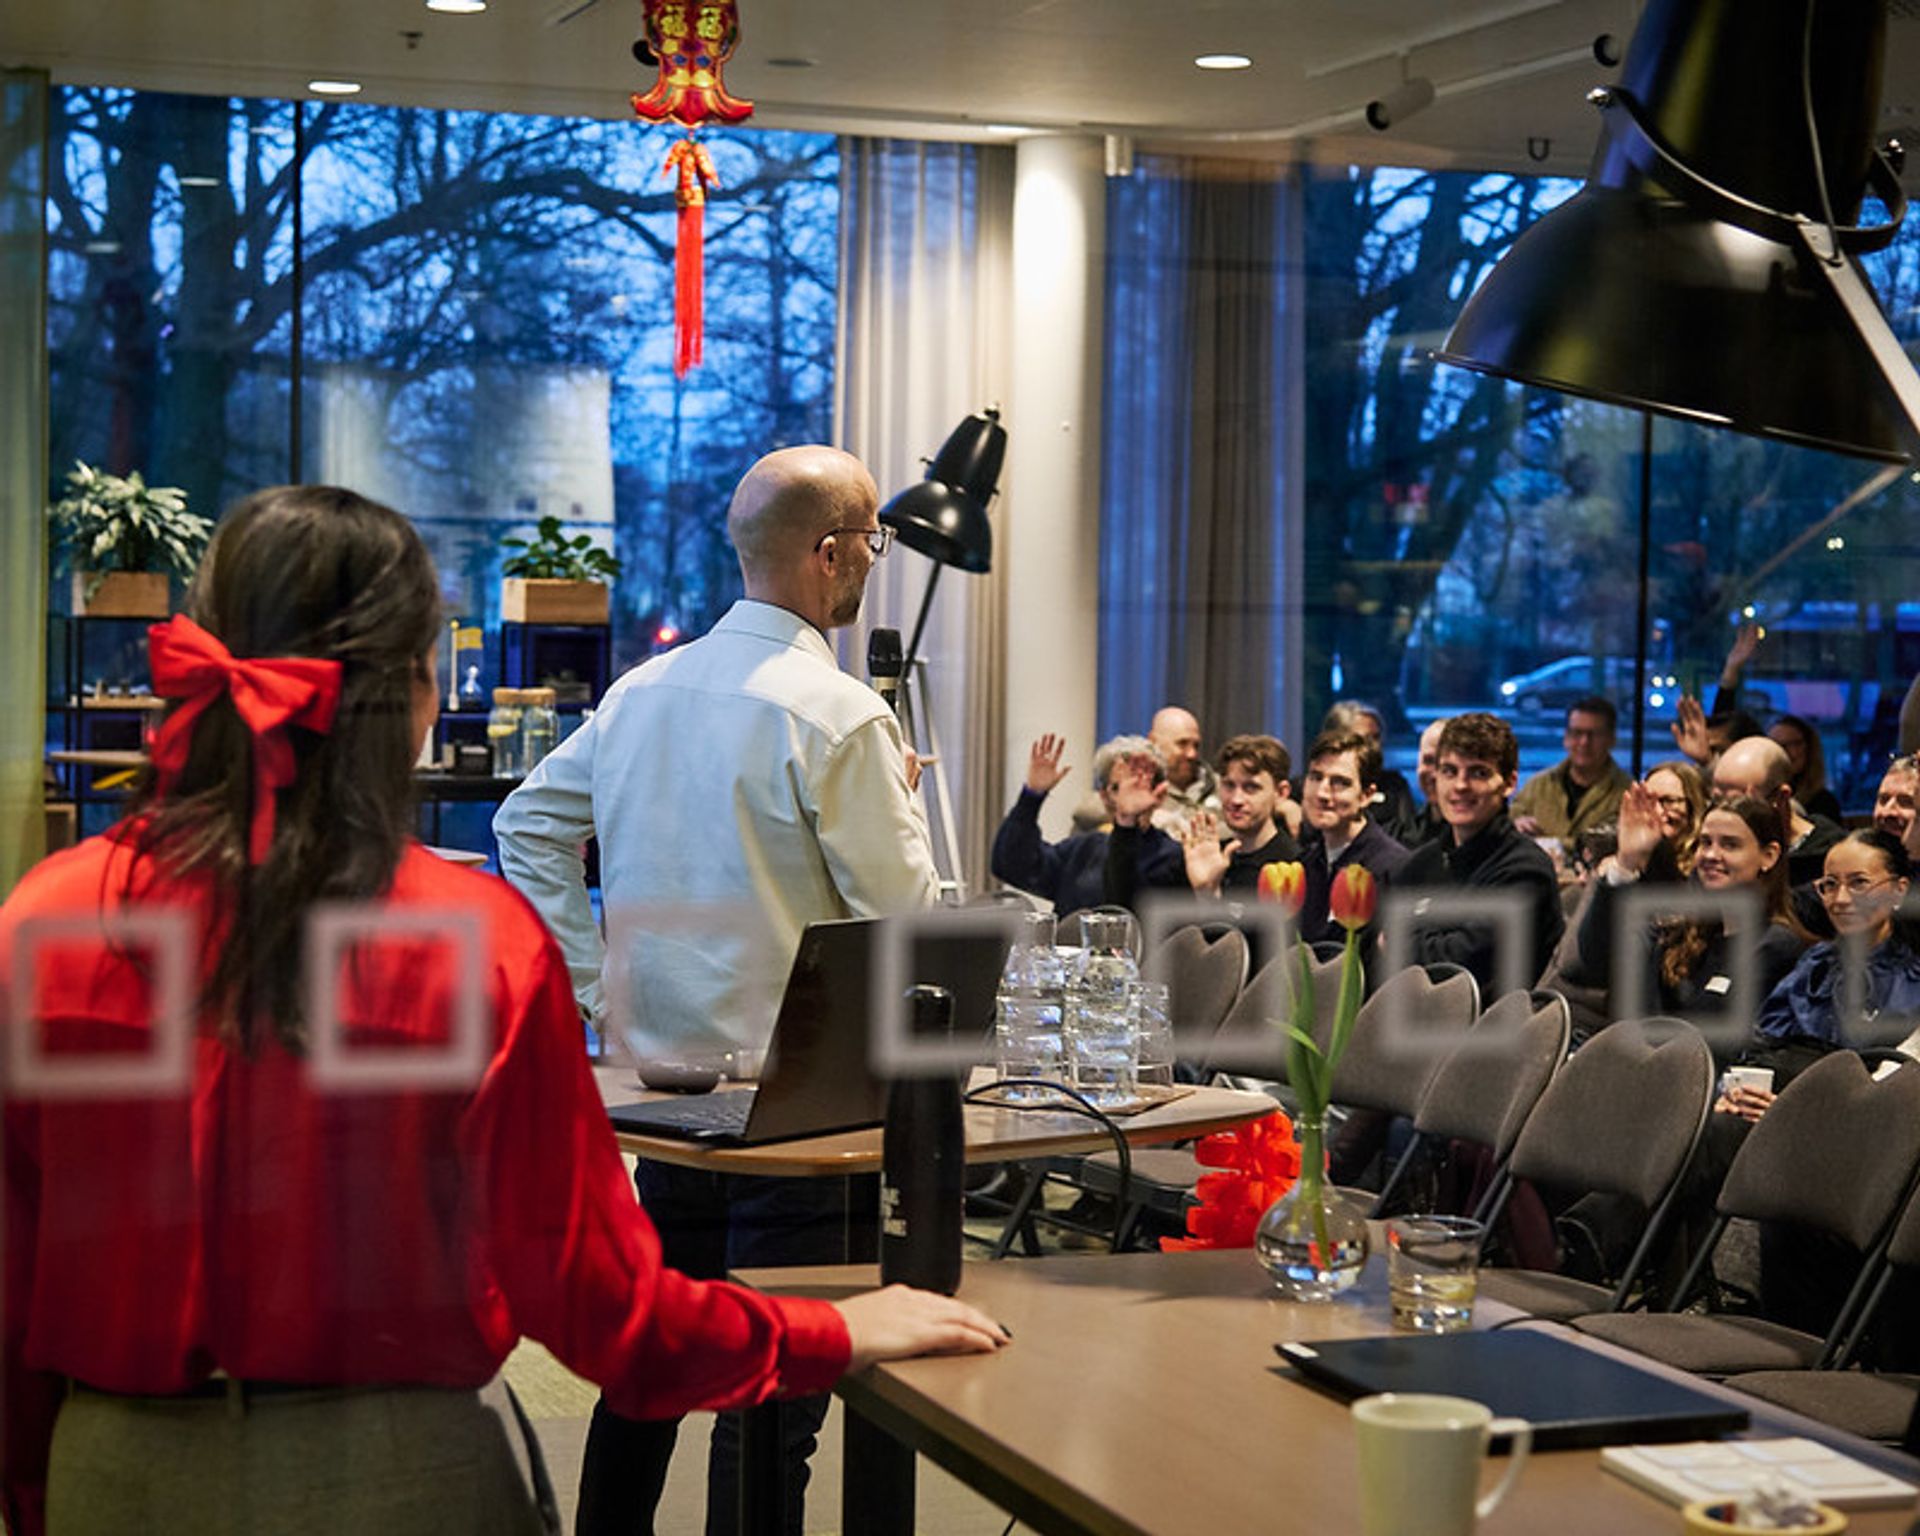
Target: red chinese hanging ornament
x=690 y=41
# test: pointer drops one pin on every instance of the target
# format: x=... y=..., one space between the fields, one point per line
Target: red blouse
x=279 y=1230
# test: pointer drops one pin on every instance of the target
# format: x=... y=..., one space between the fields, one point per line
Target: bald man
x=747 y=776
x=1758 y=765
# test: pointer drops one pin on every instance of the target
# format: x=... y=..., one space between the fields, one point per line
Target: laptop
x=817 y=1077
x=1572 y=1396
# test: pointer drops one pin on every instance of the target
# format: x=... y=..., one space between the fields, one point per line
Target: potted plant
x=123 y=539
x=553 y=579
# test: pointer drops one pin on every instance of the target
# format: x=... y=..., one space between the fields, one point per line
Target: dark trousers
x=710 y=1224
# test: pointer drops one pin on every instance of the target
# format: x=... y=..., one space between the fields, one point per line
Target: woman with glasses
x=1680 y=799
x=257 y=1291
x=1867 y=876
x=1688 y=962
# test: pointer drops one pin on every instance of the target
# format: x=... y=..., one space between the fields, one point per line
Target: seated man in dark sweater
x=1092 y=869
x=1252 y=780
x=1343 y=769
x=1479 y=761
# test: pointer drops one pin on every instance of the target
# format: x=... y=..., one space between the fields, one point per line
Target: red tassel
x=689 y=267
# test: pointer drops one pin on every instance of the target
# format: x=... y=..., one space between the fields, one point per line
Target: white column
x=1051 y=530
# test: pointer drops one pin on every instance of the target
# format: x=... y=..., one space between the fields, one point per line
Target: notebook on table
x=817 y=1077
x=1572 y=1396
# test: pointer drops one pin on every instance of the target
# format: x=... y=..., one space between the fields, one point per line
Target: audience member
x=1429 y=825
x=1703 y=737
x=1687 y=962
x=1252 y=775
x=1756 y=765
x=1478 y=762
x=1190 y=782
x=1092 y=869
x=1342 y=770
x=1583 y=789
x=1392 y=806
x=1806 y=765
x=1681 y=799
x=1893 y=802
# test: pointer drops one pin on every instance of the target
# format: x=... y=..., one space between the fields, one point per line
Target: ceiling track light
x=1400 y=103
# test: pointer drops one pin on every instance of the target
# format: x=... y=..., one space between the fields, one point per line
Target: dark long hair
x=1682 y=943
x=298 y=570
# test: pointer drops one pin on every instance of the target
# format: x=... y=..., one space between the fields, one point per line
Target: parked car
x=1557 y=684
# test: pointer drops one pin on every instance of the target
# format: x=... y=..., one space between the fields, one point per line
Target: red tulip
x=1354 y=896
x=1285 y=884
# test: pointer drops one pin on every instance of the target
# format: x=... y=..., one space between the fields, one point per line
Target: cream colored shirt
x=741 y=787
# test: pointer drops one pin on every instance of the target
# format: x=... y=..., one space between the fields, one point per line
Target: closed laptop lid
x=1573 y=1396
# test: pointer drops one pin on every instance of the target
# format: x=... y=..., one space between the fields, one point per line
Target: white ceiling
x=1511 y=74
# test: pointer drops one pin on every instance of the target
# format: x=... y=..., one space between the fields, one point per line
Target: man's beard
x=846 y=605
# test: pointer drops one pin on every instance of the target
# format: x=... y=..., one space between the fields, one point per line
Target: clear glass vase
x=1313 y=1240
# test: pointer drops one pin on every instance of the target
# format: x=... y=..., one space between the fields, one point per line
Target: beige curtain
x=23 y=469
x=925 y=253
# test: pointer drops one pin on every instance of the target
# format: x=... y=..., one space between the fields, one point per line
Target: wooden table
x=993 y=1135
x=1142 y=1397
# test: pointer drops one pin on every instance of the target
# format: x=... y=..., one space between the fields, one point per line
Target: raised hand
x=1746 y=640
x=1134 y=796
x=1690 y=729
x=1044 y=768
x=1640 y=830
x=1208 y=859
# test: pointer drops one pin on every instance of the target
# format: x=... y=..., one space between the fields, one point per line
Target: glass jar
x=503 y=733
x=539 y=727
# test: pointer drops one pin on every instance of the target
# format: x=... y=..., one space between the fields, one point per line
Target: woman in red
x=244 y=1289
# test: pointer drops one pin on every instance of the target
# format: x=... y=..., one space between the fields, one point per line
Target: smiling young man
x=1478 y=763
x=1252 y=780
x=1343 y=772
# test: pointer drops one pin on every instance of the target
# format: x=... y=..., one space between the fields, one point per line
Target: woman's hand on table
x=900 y=1322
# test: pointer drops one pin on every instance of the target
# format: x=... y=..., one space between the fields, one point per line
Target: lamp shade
x=944 y=517
x=1694 y=274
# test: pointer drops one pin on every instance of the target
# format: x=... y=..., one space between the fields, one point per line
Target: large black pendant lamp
x=1708 y=270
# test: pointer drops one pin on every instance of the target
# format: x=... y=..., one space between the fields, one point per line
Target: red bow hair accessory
x=268 y=693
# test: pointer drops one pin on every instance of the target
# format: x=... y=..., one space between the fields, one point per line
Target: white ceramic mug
x=1420 y=1458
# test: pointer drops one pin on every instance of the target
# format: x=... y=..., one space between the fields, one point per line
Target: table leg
x=879 y=1499
x=763 y=1471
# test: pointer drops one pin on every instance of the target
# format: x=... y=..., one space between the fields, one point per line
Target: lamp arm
x=1858 y=301
x=920 y=623
x=1686 y=183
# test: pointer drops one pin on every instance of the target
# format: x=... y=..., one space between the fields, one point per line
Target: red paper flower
x=1260 y=1162
x=1283 y=883
x=1353 y=897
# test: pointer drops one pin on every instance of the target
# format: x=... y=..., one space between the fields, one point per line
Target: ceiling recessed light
x=199 y=181
x=1223 y=61
x=1003 y=128
x=334 y=87
x=457 y=7
x=101 y=247
x=791 y=61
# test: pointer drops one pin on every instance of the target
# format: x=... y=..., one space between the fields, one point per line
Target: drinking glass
x=1433 y=1265
x=1153 y=1032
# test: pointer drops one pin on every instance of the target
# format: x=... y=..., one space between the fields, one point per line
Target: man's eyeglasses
x=1856 y=886
x=879 y=540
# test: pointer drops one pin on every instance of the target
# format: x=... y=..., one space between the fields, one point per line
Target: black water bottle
x=923 y=1164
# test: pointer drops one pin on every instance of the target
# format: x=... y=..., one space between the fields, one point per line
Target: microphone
x=885 y=663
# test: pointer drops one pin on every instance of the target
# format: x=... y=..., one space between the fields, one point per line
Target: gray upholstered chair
x=1484 y=1089
x=1252 y=1039
x=1873 y=1405
x=1402 y=1034
x=1622 y=1118
x=1834 y=1154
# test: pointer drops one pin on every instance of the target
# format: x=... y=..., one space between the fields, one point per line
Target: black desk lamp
x=944 y=517
x=1709 y=268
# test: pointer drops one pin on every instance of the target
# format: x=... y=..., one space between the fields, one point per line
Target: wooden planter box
x=531 y=600
x=122 y=595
